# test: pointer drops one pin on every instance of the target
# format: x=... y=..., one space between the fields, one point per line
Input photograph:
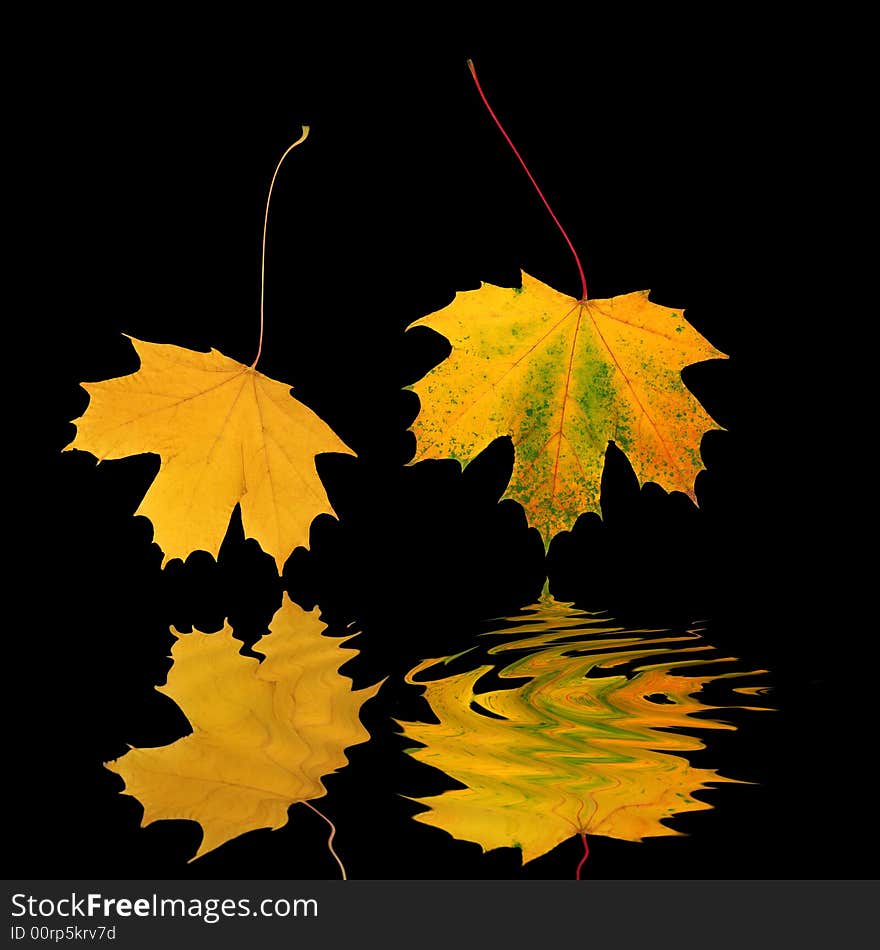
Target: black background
x=666 y=149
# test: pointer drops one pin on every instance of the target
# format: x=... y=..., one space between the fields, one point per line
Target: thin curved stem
x=577 y=873
x=577 y=260
x=290 y=148
x=330 y=839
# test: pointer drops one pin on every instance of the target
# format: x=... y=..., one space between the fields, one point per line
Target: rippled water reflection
x=561 y=723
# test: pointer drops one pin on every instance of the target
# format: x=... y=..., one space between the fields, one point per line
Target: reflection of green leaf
x=579 y=748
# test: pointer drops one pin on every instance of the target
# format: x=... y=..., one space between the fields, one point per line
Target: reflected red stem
x=577 y=873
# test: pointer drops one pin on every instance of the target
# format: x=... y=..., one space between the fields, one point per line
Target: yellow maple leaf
x=226 y=434
x=264 y=734
x=573 y=748
x=562 y=377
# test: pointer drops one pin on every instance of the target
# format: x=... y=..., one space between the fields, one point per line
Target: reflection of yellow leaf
x=561 y=377
x=226 y=434
x=575 y=749
x=264 y=734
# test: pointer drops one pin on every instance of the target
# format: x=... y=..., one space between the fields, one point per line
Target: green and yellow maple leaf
x=264 y=734
x=562 y=377
x=226 y=435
